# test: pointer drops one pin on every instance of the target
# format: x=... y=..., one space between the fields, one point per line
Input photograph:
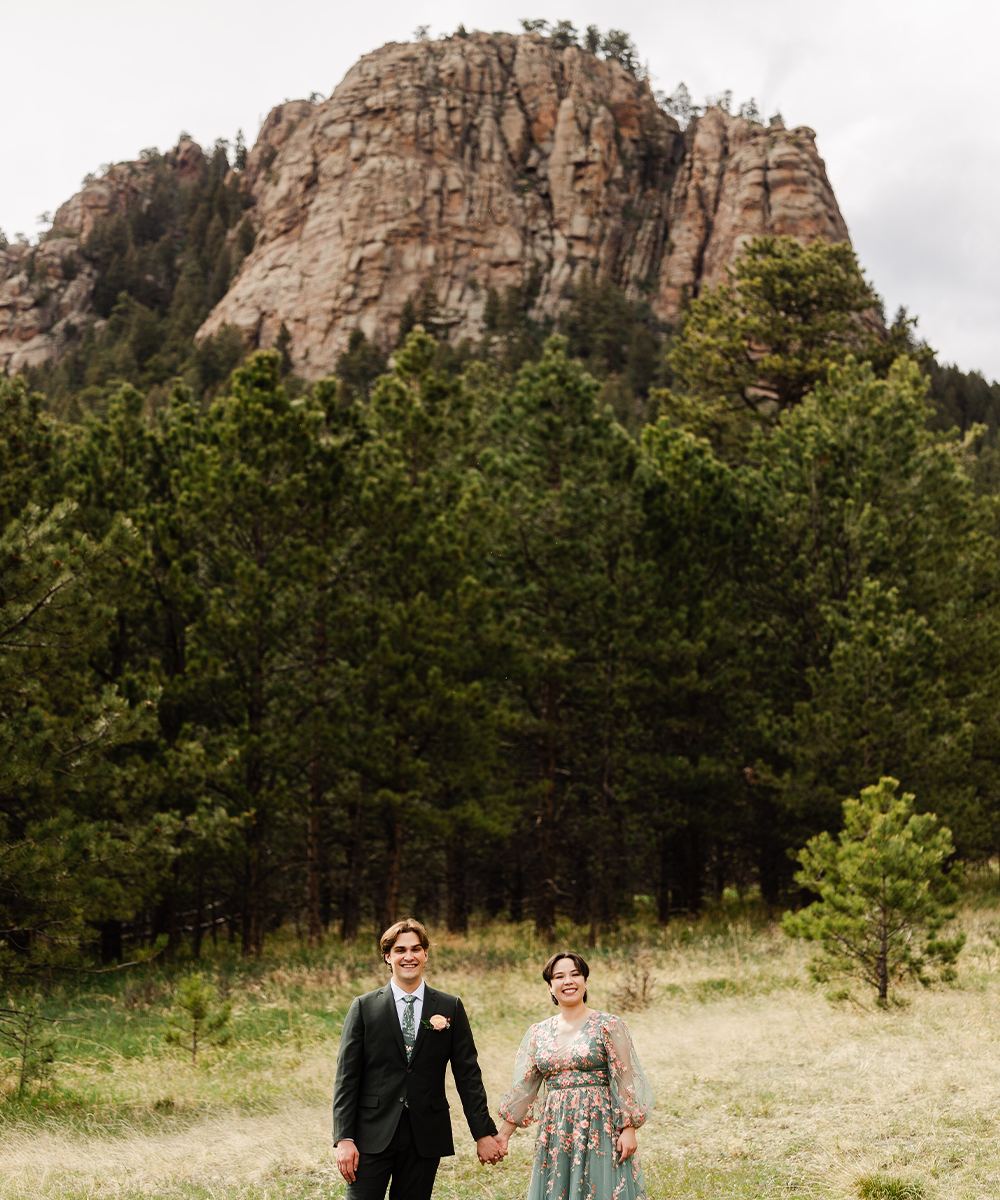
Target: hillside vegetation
x=455 y=639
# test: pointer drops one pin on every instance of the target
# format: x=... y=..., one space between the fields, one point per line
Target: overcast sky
x=902 y=96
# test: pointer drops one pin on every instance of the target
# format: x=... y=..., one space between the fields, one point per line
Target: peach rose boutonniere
x=437 y=1022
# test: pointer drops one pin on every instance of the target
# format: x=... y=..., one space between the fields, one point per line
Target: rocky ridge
x=474 y=163
x=46 y=290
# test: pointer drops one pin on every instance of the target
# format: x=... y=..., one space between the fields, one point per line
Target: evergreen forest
x=558 y=623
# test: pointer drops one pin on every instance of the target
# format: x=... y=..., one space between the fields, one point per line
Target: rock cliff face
x=45 y=294
x=46 y=291
x=482 y=162
x=738 y=181
x=472 y=163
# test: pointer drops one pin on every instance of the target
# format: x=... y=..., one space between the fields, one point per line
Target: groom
x=390 y=1112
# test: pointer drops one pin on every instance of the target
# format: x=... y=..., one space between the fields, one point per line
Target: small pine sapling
x=31 y=1039
x=883 y=893
x=198 y=1021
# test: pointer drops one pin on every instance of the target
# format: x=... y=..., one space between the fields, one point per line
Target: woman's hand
x=503 y=1136
x=626 y=1143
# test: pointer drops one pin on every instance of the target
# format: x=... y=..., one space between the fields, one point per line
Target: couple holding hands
x=576 y=1074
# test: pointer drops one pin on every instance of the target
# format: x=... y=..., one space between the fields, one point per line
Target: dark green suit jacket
x=374 y=1079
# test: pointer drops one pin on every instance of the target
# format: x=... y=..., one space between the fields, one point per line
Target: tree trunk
x=517 y=885
x=111 y=941
x=718 y=870
x=883 y=960
x=164 y=921
x=394 y=866
x=350 y=911
x=690 y=870
x=493 y=879
x=545 y=904
x=458 y=911
x=663 y=882
x=255 y=888
x=255 y=787
x=172 y=938
x=599 y=900
x=245 y=905
x=199 y=915
x=316 y=783
x=772 y=863
x=314 y=875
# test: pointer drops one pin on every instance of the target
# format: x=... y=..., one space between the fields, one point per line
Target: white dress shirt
x=418 y=1008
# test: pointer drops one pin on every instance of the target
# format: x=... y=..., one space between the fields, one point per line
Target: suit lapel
x=393 y=1018
x=429 y=1008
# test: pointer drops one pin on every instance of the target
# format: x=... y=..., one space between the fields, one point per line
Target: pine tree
x=360 y=365
x=424 y=654
x=866 y=578
x=561 y=475
x=883 y=893
x=684 y=680
x=246 y=497
x=33 y=1040
x=756 y=345
x=198 y=1020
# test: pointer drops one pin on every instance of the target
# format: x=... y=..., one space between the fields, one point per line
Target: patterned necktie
x=409 y=1028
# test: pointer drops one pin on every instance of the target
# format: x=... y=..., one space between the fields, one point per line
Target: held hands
x=347 y=1159
x=500 y=1140
x=626 y=1144
x=490 y=1149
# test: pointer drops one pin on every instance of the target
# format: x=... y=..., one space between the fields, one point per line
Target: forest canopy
x=528 y=627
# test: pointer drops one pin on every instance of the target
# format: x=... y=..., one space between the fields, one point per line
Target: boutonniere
x=437 y=1022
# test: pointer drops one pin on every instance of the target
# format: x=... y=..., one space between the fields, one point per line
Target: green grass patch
x=884 y=1187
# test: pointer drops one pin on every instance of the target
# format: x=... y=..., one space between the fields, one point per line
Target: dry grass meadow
x=765 y=1088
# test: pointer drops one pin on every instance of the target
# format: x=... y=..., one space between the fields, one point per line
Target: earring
x=554 y=1000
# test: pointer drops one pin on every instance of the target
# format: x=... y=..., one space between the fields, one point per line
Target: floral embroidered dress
x=581 y=1092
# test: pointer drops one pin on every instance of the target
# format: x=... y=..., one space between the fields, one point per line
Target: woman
x=595 y=1096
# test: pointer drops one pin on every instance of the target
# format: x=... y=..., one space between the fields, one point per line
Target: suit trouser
x=412 y=1176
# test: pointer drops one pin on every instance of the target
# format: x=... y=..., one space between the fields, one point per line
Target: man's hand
x=489 y=1149
x=347 y=1159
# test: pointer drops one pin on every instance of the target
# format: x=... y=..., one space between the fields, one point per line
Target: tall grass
x=765 y=1086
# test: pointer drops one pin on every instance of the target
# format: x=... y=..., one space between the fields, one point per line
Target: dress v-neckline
x=572 y=1041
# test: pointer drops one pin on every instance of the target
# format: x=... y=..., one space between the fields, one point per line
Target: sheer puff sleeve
x=631 y=1096
x=522 y=1104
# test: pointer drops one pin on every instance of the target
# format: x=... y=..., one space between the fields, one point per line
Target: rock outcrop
x=45 y=294
x=46 y=290
x=489 y=161
x=738 y=181
x=470 y=162
x=467 y=164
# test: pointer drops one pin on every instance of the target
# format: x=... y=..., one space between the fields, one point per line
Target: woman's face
x=568 y=983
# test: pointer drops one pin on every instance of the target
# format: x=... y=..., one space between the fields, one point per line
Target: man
x=390 y=1112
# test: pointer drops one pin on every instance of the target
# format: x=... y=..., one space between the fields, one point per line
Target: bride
x=577 y=1075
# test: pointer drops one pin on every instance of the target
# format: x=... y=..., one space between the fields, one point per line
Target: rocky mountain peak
x=488 y=162
x=454 y=168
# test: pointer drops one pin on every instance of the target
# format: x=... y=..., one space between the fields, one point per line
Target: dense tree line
x=528 y=627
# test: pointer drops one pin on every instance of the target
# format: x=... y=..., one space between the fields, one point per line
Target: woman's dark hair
x=578 y=961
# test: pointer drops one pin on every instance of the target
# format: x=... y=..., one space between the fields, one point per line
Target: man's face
x=407 y=958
